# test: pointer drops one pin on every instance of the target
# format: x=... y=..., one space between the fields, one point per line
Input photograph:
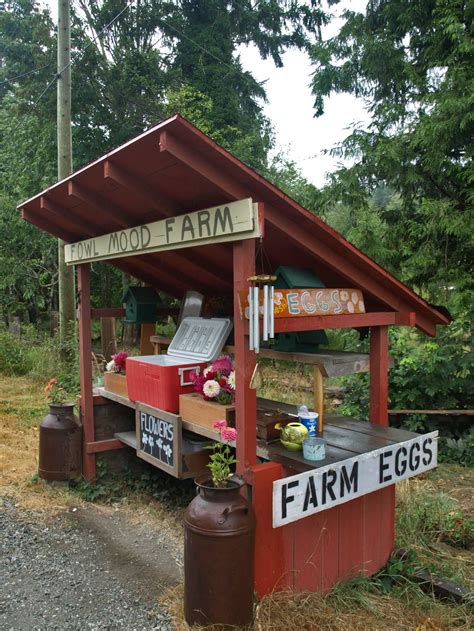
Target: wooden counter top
x=345 y=437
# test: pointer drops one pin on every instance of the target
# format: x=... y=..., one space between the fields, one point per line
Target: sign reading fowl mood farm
x=229 y=222
x=313 y=491
x=157 y=439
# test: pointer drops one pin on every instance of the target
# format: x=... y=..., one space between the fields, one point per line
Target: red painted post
x=85 y=359
x=379 y=375
x=379 y=507
x=245 y=398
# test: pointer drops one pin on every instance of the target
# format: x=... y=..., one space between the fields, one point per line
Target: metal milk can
x=60 y=444
x=219 y=555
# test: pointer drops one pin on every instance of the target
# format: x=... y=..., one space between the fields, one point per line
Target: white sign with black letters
x=307 y=493
x=228 y=222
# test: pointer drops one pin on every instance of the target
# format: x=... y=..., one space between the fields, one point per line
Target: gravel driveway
x=86 y=568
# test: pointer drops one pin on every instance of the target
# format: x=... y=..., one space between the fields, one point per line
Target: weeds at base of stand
x=358 y=604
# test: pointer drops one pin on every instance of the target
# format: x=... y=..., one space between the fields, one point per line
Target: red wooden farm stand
x=173 y=169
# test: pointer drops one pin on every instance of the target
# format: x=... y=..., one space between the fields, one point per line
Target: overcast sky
x=299 y=135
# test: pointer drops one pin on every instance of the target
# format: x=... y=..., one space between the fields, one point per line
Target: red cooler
x=158 y=380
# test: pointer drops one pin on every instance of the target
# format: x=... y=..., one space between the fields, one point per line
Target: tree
x=412 y=61
x=132 y=65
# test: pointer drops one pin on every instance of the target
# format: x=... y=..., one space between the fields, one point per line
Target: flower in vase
x=219 y=424
x=211 y=389
x=228 y=433
x=222 y=457
x=216 y=382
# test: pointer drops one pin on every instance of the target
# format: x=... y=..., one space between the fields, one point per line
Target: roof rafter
x=316 y=247
x=113 y=213
x=211 y=263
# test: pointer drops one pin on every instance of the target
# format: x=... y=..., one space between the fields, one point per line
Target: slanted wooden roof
x=174 y=168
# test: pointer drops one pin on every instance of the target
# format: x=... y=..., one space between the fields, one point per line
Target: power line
x=24 y=74
x=73 y=59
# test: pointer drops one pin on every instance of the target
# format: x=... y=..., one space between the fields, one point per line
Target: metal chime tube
x=256 y=327
x=272 y=312
x=251 y=313
x=265 y=313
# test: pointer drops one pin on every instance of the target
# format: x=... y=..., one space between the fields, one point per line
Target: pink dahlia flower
x=219 y=424
x=229 y=433
x=223 y=364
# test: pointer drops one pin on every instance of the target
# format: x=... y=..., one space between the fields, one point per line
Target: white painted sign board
x=313 y=491
x=228 y=222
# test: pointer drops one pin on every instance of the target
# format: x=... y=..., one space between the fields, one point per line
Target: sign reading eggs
x=310 y=302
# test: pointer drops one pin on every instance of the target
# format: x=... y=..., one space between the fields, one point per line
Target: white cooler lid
x=200 y=339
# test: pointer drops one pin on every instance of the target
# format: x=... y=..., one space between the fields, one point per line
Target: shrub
x=39 y=356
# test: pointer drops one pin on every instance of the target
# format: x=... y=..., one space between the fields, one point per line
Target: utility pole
x=67 y=314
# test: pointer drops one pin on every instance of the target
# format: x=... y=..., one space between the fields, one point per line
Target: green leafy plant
x=55 y=392
x=222 y=456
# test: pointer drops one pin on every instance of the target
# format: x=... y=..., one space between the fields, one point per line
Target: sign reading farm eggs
x=307 y=493
x=289 y=303
x=228 y=222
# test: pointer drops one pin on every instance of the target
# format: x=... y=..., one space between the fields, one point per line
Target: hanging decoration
x=261 y=290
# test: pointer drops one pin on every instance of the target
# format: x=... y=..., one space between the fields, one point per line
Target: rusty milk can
x=219 y=555
x=60 y=444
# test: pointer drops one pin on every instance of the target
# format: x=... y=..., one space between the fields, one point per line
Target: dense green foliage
x=132 y=65
x=412 y=62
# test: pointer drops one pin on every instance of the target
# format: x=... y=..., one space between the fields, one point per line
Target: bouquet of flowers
x=55 y=393
x=217 y=381
x=117 y=363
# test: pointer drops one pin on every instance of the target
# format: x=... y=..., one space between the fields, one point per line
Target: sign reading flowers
x=217 y=381
x=157 y=439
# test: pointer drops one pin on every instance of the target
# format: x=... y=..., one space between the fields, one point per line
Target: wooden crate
x=266 y=421
x=116 y=382
x=193 y=408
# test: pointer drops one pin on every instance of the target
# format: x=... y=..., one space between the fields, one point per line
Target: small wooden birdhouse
x=140 y=305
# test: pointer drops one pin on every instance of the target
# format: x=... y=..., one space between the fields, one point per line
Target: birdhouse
x=140 y=305
x=305 y=341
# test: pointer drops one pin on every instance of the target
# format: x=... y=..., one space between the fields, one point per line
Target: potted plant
x=214 y=395
x=115 y=379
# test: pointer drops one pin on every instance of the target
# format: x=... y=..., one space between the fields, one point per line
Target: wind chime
x=258 y=285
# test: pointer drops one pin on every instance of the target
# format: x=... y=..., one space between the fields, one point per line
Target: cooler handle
x=182 y=371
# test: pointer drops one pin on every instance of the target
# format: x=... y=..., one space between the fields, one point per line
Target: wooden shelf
x=331 y=363
x=128 y=438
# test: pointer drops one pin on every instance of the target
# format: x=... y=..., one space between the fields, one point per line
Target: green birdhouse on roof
x=306 y=341
x=140 y=305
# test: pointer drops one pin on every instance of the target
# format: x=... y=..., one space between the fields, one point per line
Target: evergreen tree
x=412 y=62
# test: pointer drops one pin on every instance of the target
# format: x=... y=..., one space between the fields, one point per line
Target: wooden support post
x=379 y=507
x=108 y=337
x=379 y=375
x=85 y=354
x=319 y=397
x=245 y=399
x=146 y=346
